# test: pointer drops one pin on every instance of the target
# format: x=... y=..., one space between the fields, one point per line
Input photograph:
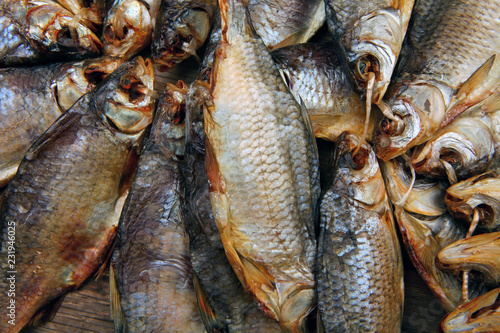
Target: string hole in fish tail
x=465 y=282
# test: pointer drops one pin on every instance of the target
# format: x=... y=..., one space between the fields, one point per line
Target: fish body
x=372 y=34
x=32 y=98
x=360 y=268
x=234 y=310
x=151 y=260
x=263 y=171
x=425 y=226
x=467 y=145
x=318 y=75
x=181 y=28
x=452 y=67
x=282 y=23
x=479 y=315
x=482 y=193
x=128 y=27
x=64 y=203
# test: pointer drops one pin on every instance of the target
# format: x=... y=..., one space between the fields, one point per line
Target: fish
x=151 y=264
x=262 y=167
x=43 y=29
x=181 y=29
x=372 y=34
x=360 y=265
x=32 y=98
x=128 y=27
x=318 y=76
x=425 y=227
x=91 y=13
x=481 y=193
x=283 y=23
x=226 y=305
x=64 y=203
x=460 y=150
x=479 y=253
x=448 y=73
x=479 y=315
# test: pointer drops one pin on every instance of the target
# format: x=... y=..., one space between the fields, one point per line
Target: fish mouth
x=129 y=109
x=127 y=30
x=171 y=45
x=54 y=30
x=375 y=49
x=392 y=137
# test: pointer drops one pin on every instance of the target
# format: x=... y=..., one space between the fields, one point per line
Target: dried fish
x=262 y=167
x=64 y=203
x=454 y=66
x=151 y=265
x=360 y=268
x=32 y=98
x=425 y=227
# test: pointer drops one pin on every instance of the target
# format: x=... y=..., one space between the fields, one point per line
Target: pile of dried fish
x=207 y=204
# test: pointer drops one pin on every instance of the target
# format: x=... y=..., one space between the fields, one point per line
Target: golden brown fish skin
x=480 y=253
x=32 y=98
x=467 y=145
x=234 y=309
x=128 y=27
x=360 y=268
x=263 y=171
x=65 y=201
x=286 y=22
x=181 y=28
x=317 y=75
x=151 y=260
x=454 y=67
x=425 y=227
x=481 y=192
x=91 y=13
x=372 y=34
x=479 y=315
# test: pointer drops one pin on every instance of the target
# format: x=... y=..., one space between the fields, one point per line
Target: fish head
x=424 y=195
x=53 y=29
x=481 y=193
x=77 y=79
x=168 y=129
x=466 y=147
x=481 y=314
x=357 y=170
x=418 y=110
x=179 y=38
x=125 y=99
x=127 y=29
x=373 y=45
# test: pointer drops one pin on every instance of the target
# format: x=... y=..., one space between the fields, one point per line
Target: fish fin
x=235 y=19
x=476 y=78
x=47 y=312
x=308 y=123
x=207 y=314
x=101 y=270
x=116 y=307
x=492 y=104
x=59 y=126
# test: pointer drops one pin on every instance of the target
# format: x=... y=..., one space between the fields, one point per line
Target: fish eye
x=366 y=64
x=357 y=161
x=133 y=87
x=362 y=66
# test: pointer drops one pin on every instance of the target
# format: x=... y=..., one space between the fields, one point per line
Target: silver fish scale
x=266 y=139
x=355 y=263
x=14 y=47
x=463 y=41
